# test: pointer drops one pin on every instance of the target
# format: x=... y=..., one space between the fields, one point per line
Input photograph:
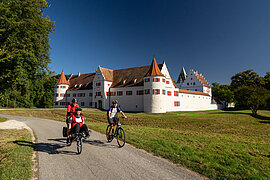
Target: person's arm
x=68 y=111
x=69 y=127
x=123 y=114
x=109 y=114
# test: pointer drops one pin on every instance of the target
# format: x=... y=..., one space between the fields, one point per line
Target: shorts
x=112 y=120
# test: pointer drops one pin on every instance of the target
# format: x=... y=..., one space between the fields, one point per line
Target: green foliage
x=251 y=90
x=24 y=52
x=222 y=92
x=252 y=97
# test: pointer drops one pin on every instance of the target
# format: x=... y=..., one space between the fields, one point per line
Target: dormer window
x=135 y=80
x=124 y=82
x=76 y=85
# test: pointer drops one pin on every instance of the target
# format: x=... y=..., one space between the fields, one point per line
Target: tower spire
x=154 y=69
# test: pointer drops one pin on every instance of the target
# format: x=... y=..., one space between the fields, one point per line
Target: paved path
x=99 y=159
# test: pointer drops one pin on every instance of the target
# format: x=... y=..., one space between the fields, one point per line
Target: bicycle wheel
x=121 y=138
x=109 y=139
x=79 y=145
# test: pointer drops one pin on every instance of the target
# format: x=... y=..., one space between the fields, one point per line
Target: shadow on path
x=50 y=148
x=55 y=148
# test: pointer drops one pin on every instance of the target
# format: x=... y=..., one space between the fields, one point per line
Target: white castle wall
x=60 y=91
x=83 y=101
x=154 y=103
x=132 y=102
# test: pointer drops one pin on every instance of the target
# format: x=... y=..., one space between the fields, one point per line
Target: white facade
x=156 y=94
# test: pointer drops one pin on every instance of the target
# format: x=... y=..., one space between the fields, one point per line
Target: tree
x=24 y=49
x=253 y=97
x=246 y=78
x=222 y=92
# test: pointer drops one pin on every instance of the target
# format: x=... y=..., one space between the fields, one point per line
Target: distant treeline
x=247 y=90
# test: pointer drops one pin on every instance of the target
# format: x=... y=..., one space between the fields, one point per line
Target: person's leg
x=85 y=129
x=110 y=121
x=77 y=128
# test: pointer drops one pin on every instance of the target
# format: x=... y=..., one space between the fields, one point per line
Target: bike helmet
x=74 y=100
x=78 y=109
x=114 y=102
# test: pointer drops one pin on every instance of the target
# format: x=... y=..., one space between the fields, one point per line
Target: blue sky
x=216 y=37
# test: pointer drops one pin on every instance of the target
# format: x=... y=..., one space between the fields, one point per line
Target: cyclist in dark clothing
x=112 y=112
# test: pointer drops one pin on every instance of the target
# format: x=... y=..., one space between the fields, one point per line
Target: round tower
x=154 y=87
x=60 y=90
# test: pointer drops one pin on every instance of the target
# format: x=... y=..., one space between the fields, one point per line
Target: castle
x=147 y=89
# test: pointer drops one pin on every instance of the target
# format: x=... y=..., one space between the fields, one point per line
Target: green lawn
x=217 y=144
x=15 y=158
x=2 y=119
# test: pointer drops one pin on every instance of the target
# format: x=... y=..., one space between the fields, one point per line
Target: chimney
x=79 y=74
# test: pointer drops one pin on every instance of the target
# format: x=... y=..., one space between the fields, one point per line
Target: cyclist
x=71 y=108
x=76 y=124
x=113 y=110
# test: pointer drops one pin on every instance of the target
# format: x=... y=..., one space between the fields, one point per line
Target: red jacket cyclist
x=76 y=123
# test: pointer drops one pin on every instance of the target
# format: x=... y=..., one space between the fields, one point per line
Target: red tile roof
x=193 y=92
x=82 y=82
x=154 y=69
x=62 y=79
x=203 y=80
x=107 y=73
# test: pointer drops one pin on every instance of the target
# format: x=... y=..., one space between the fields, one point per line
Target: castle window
x=56 y=103
x=194 y=83
x=176 y=103
x=64 y=87
x=119 y=93
x=57 y=86
x=196 y=90
x=98 y=84
x=98 y=93
x=188 y=84
x=90 y=104
x=61 y=94
x=61 y=86
x=156 y=91
x=163 y=80
x=156 y=79
x=191 y=78
x=175 y=93
x=167 y=82
x=112 y=93
x=90 y=94
x=74 y=95
x=169 y=93
x=139 y=92
x=147 y=80
x=128 y=93
x=147 y=91
x=82 y=103
x=164 y=92
x=108 y=84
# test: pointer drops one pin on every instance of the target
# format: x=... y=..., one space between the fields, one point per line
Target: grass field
x=217 y=144
x=15 y=159
x=2 y=119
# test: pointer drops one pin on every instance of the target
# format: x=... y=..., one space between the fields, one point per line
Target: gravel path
x=99 y=159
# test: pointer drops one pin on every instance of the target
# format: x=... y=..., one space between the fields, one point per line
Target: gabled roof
x=107 y=73
x=182 y=76
x=62 y=79
x=193 y=92
x=82 y=82
x=154 y=69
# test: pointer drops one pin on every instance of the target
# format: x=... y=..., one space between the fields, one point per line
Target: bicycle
x=78 y=138
x=119 y=133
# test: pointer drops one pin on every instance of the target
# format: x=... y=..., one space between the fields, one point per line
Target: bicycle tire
x=79 y=145
x=121 y=137
x=107 y=134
